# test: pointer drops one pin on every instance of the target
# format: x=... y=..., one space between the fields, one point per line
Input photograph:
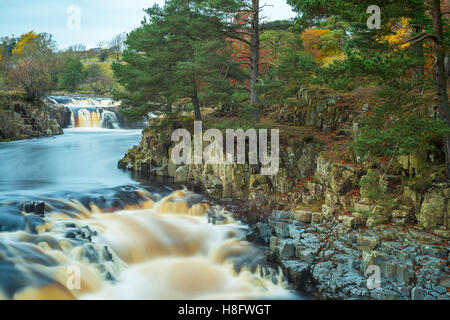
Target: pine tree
x=247 y=27
x=72 y=74
x=178 y=51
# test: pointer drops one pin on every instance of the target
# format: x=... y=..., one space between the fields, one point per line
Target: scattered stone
x=181 y=174
x=418 y=293
x=433 y=210
x=35 y=207
x=317 y=217
x=349 y=221
x=295 y=232
x=297 y=271
x=367 y=242
x=306 y=255
x=376 y=220
x=429 y=261
x=285 y=248
x=303 y=216
x=400 y=217
x=273 y=243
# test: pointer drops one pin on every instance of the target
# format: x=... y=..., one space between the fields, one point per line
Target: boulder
x=34 y=207
x=367 y=242
x=181 y=174
x=433 y=210
x=303 y=216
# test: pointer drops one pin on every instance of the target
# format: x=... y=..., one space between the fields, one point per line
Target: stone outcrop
x=60 y=113
x=236 y=182
x=312 y=108
x=340 y=220
x=21 y=120
x=435 y=210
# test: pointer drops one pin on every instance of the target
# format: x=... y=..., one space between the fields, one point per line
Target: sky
x=99 y=20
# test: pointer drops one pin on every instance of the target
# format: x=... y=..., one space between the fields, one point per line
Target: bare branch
x=264 y=6
x=417 y=38
x=232 y=36
x=269 y=63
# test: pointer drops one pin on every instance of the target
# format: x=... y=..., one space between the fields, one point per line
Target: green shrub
x=372 y=187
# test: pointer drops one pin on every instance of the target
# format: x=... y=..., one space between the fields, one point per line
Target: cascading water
x=90 y=112
x=159 y=248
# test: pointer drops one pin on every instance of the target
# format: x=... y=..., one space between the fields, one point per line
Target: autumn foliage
x=24 y=41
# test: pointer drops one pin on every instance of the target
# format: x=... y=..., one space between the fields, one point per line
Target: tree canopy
x=179 y=54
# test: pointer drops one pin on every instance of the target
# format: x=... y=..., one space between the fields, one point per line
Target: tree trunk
x=196 y=104
x=254 y=52
x=419 y=70
x=440 y=78
x=447 y=65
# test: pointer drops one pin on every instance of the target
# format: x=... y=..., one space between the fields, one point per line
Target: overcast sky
x=100 y=20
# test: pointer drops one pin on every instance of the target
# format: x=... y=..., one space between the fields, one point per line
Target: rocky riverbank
x=20 y=119
x=334 y=215
x=336 y=261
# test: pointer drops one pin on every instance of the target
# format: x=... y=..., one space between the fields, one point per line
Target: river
x=105 y=235
x=80 y=159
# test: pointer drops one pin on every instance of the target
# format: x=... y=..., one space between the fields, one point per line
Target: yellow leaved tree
x=33 y=66
x=322 y=44
x=402 y=31
x=24 y=41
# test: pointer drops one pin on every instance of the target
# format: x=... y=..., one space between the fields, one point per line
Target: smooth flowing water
x=80 y=159
x=106 y=236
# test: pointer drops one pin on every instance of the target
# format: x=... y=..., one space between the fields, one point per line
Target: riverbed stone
x=418 y=293
x=303 y=216
x=317 y=217
x=295 y=232
x=273 y=243
x=297 y=271
x=367 y=242
x=285 y=248
x=305 y=254
x=181 y=174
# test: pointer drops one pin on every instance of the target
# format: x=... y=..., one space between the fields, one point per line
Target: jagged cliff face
x=242 y=183
x=310 y=177
x=21 y=120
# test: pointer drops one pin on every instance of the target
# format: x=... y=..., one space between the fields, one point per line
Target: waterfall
x=109 y=118
x=90 y=112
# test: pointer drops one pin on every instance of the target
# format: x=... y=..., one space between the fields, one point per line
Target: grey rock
x=295 y=232
x=384 y=294
x=418 y=293
x=430 y=261
x=367 y=242
x=404 y=272
x=285 y=248
x=445 y=281
x=297 y=271
x=322 y=269
x=306 y=255
x=273 y=243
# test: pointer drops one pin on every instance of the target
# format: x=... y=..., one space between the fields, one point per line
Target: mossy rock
x=433 y=210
